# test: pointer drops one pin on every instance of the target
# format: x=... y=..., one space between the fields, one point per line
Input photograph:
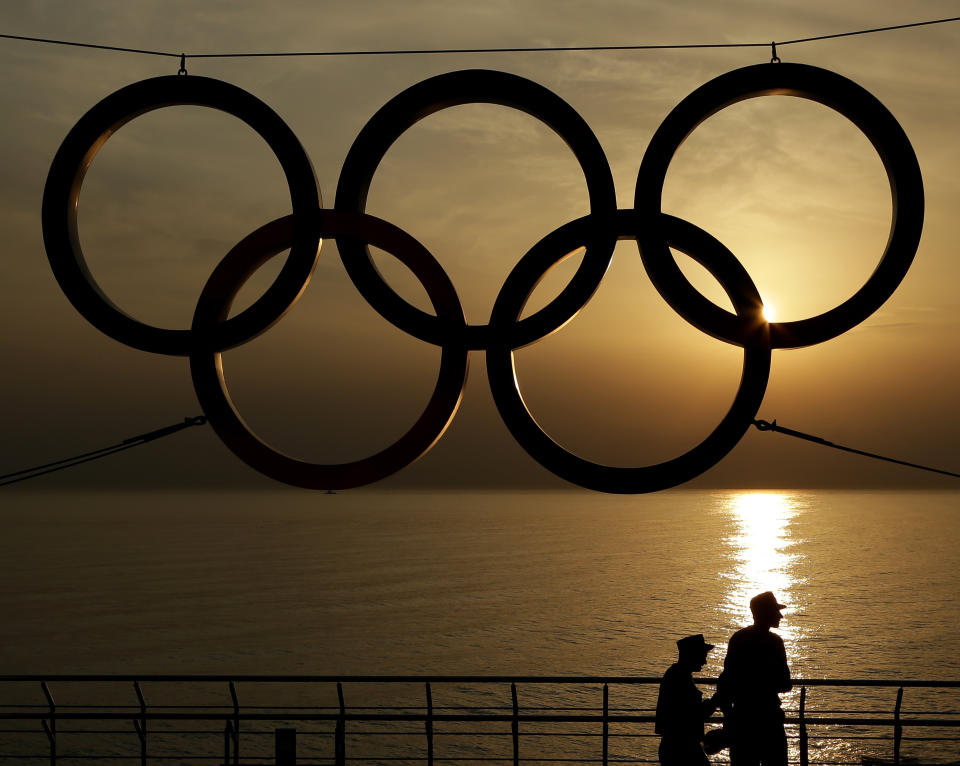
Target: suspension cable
x=764 y=425
x=518 y=49
x=86 y=457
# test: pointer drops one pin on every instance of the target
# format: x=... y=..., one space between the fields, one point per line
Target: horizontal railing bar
x=158 y=736
x=504 y=759
x=259 y=678
x=267 y=759
x=398 y=717
x=102 y=758
x=220 y=711
x=448 y=734
x=220 y=678
x=412 y=717
x=46 y=757
x=916 y=712
x=278 y=711
x=631 y=722
x=507 y=760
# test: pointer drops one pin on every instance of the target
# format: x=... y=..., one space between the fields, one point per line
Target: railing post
x=141 y=725
x=340 y=736
x=804 y=755
x=897 y=728
x=515 y=725
x=51 y=730
x=429 y=726
x=285 y=747
x=236 y=724
x=606 y=721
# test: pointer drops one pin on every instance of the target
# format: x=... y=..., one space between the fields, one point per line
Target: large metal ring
x=453 y=89
x=828 y=88
x=62 y=191
x=735 y=281
x=207 y=369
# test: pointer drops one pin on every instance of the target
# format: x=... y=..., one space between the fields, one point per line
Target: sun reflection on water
x=760 y=545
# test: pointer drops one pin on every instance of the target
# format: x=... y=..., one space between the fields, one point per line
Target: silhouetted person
x=754 y=675
x=681 y=710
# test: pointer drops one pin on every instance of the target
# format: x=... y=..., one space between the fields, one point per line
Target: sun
x=769 y=311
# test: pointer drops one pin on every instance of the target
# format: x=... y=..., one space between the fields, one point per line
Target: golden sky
x=794 y=190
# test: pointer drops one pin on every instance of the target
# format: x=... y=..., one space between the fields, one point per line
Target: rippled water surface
x=463 y=583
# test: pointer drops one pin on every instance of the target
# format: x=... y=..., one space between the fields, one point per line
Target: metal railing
x=287 y=720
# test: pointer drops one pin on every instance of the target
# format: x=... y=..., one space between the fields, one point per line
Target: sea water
x=475 y=582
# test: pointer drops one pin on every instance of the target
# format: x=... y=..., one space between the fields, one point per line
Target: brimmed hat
x=764 y=603
x=693 y=644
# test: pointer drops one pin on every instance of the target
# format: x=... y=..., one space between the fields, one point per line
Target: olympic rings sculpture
x=302 y=232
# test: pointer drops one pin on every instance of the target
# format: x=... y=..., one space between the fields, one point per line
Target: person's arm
x=726 y=681
x=665 y=706
x=786 y=684
x=708 y=705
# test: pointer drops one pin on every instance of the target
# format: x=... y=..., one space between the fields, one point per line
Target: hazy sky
x=793 y=189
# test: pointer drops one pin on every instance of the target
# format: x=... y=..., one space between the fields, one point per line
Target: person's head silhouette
x=766 y=610
x=693 y=652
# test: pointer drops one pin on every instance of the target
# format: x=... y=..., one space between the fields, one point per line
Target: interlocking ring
x=474 y=86
x=731 y=275
x=62 y=193
x=655 y=233
x=207 y=369
x=840 y=94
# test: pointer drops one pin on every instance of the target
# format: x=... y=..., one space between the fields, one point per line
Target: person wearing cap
x=755 y=674
x=681 y=709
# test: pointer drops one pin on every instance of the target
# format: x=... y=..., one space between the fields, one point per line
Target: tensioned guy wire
x=136 y=441
x=87 y=45
x=764 y=425
x=529 y=49
x=86 y=457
